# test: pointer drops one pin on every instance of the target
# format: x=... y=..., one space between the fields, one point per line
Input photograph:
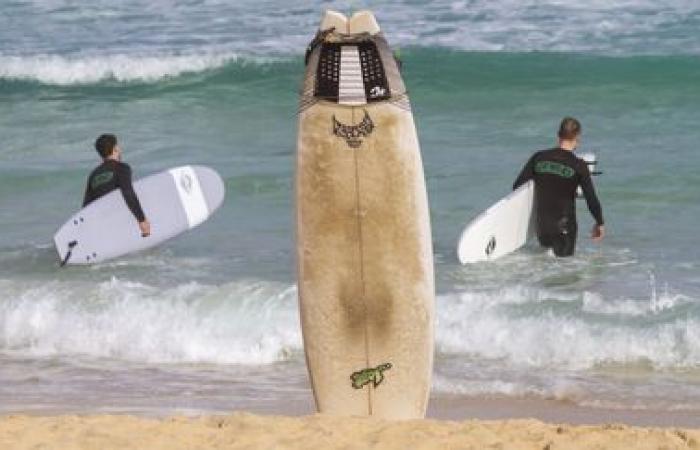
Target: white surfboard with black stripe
x=173 y=201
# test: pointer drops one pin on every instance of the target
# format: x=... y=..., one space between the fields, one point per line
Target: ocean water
x=209 y=322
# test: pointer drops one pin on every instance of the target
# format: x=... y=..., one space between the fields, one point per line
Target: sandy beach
x=247 y=431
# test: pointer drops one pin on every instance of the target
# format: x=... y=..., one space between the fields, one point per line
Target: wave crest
x=545 y=329
x=245 y=322
x=67 y=71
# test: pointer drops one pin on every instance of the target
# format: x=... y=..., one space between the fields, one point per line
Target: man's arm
x=132 y=201
x=598 y=232
x=591 y=197
x=526 y=174
x=86 y=197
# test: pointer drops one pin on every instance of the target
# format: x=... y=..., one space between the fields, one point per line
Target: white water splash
x=246 y=322
x=64 y=71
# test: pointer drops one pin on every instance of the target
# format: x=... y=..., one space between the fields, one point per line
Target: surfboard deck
x=173 y=201
x=502 y=229
x=364 y=252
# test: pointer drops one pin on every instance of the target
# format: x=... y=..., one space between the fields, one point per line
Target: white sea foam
x=516 y=325
x=59 y=70
x=479 y=387
x=247 y=322
x=588 y=392
x=256 y=322
x=596 y=304
x=638 y=26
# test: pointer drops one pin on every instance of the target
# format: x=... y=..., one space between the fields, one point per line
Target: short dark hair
x=570 y=128
x=105 y=145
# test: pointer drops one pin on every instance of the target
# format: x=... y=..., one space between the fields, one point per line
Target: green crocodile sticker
x=554 y=168
x=101 y=179
x=374 y=375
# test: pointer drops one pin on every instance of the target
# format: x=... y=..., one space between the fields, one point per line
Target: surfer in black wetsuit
x=113 y=174
x=558 y=173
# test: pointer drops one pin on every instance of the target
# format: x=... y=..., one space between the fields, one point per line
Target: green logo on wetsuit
x=554 y=168
x=101 y=179
x=373 y=375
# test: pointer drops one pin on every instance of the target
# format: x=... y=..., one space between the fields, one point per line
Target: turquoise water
x=214 y=313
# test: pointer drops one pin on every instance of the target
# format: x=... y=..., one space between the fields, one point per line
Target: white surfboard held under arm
x=173 y=201
x=506 y=225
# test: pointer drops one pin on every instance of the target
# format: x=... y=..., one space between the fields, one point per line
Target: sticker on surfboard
x=373 y=375
x=353 y=134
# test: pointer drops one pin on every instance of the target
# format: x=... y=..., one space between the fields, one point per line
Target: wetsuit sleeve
x=590 y=195
x=526 y=174
x=132 y=201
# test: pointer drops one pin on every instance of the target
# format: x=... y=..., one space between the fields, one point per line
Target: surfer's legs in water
x=561 y=238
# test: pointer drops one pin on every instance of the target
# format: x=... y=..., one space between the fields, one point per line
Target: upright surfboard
x=502 y=229
x=174 y=201
x=365 y=265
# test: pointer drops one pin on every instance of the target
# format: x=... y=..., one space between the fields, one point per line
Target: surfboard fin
x=71 y=246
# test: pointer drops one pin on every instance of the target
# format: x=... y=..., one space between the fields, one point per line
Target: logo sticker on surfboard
x=186 y=182
x=377 y=91
x=491 y=246
x=374 y=375
x=191 y=196
x=353 y=134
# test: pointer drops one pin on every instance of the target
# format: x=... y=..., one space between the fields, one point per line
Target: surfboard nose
x=363 y=22
x=213 y=187
x=334 y=20
x=354 y=67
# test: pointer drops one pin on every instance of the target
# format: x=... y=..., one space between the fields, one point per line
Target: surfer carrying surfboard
x=113 y=174
x=557 y=174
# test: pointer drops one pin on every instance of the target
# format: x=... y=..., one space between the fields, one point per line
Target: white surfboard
x=173 y=201
x=364 y=247
x=502 y=229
